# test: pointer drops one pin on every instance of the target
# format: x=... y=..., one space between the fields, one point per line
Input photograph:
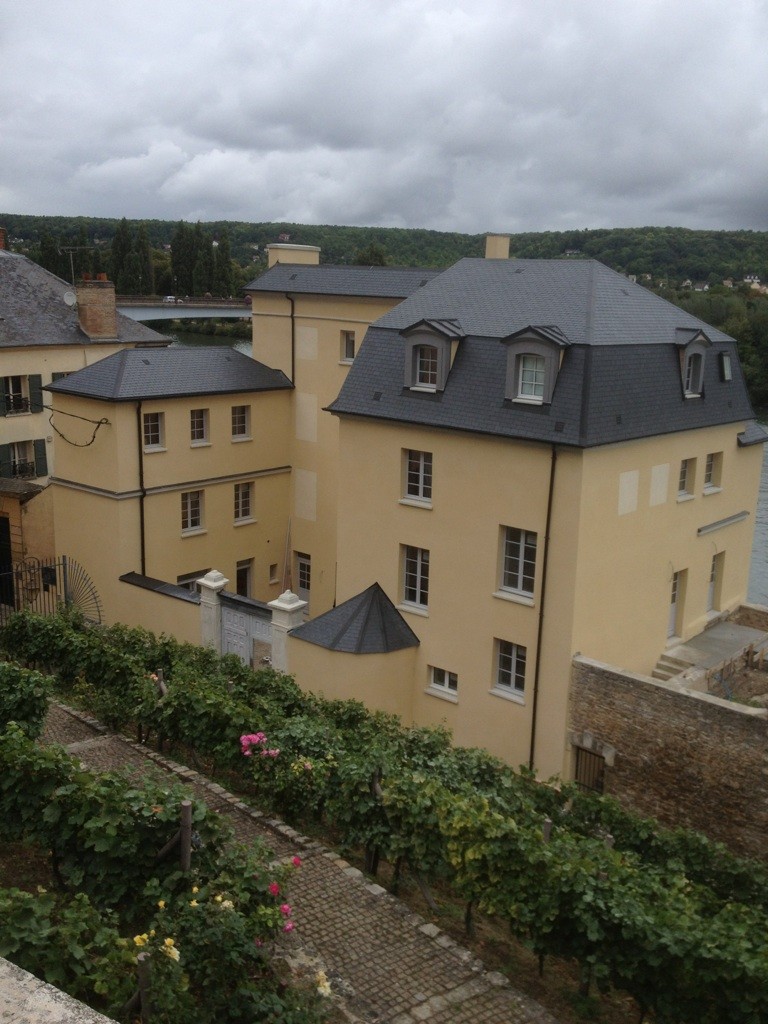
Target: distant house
x=47 y=330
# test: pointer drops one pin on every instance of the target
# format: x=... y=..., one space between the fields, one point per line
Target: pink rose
x=274 y=888
x=296 y=861
x=288 y=926
x=285 y=910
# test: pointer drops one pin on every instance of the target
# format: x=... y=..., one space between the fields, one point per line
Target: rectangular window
x=243 y=577
x=712 y=472
x=687 y=478
x=154 y=430
x=510 y=667
x=16 y=395
x=188 y=580
x=518 y=563
x=415 y=576
x=273 y=577
x=243 y=502
x=426 y=366
x=347 y=346
x=241 y=421
x=694 y=372
x=191 y=511
x=418 y=475
x=198 y=426
x=441 y=679
x=303 y=578
x=22 y=460
x=533 y=375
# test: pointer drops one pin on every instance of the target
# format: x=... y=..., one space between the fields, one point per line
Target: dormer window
x=533 y=361
x=425 y=357
x=694 y=350
x=430 y=347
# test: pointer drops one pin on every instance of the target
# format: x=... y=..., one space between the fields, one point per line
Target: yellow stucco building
x=466 y=476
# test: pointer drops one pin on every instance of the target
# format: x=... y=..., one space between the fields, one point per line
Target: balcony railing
x=16 y=404
x=23 y=470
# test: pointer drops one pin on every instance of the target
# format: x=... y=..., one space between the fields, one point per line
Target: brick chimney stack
x=3 y=238
x=96 y=308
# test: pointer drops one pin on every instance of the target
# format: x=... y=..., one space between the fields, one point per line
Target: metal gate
x=590 y=770
x=246 y=629
x=45 y=585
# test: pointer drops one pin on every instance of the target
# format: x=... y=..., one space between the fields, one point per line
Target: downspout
x=142 y=489
x=545 y=560
x=293 y=338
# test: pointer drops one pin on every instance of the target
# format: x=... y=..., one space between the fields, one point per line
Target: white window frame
x=532 y=377
x=517 y=569
x=415 y=577
x=426 y=365
x=243 y=501
x=443 y=683
x=686 y=480
x=417 y=478
x=509 y=668
x=241 y=423
x=347 y=350
x=153 y=431
x=192 y=512
x=198 y=427
x=713 y=470
x=17 y=398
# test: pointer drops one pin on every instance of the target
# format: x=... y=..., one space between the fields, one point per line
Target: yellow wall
x=626 y=560
x=381 y=681
x=312 y=357
x=98 y=489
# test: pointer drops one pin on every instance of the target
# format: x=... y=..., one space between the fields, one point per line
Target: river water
x=758 y=580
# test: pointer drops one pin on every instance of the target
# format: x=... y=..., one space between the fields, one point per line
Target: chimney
x=96 y=308
x=3 y=238
x=284 y=252
x=497 y=247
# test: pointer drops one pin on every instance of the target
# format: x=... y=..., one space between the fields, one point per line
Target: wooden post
x=547 y=830
x=186 y=835
x=145 y=986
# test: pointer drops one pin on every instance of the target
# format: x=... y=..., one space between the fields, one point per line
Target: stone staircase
x=668 y=666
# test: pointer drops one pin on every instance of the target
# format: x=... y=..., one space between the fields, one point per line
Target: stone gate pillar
x=287 y=613
x=210 y=608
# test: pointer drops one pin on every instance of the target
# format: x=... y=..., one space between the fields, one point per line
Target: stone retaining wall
x=686 y=758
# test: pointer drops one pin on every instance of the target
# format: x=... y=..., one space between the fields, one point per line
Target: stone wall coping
x=675 y=688
x=29 y=1000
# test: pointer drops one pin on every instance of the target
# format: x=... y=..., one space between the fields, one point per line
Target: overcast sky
x=472 y=115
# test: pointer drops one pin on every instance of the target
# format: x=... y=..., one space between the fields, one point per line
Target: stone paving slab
x=386 y=964
x=24 y=999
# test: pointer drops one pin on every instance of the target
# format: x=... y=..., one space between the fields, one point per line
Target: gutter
x=293 y=337
x=540 y=632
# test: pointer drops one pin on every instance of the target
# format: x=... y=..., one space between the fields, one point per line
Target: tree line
x=221 y=257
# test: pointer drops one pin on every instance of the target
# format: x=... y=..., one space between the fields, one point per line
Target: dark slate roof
x=326 y=279
x=33 y=311
x=135 y=374
x=366 y=624
x=589 y=303
x=620 y=374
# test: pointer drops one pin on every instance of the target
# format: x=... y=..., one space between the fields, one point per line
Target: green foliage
x=24 y=697
x=671 y=917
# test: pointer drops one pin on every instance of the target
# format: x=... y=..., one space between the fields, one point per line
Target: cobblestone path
x=386 y=965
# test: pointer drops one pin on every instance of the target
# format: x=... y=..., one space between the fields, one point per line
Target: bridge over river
x=183 y=309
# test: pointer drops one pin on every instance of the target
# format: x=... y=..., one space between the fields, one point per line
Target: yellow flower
x=193 y=903
x=171 y=952
x=227 y=905
x=219 y=899
x=161 y=904
x=140 y=940
x=151 y=934
x=195 y=888
x=168 y=942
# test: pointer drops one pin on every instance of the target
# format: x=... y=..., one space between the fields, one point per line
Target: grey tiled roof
x=366 y=624
x=135 y=374
x=33 y=311
x=589 y=303
x=326 y=279
x=620 y=375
